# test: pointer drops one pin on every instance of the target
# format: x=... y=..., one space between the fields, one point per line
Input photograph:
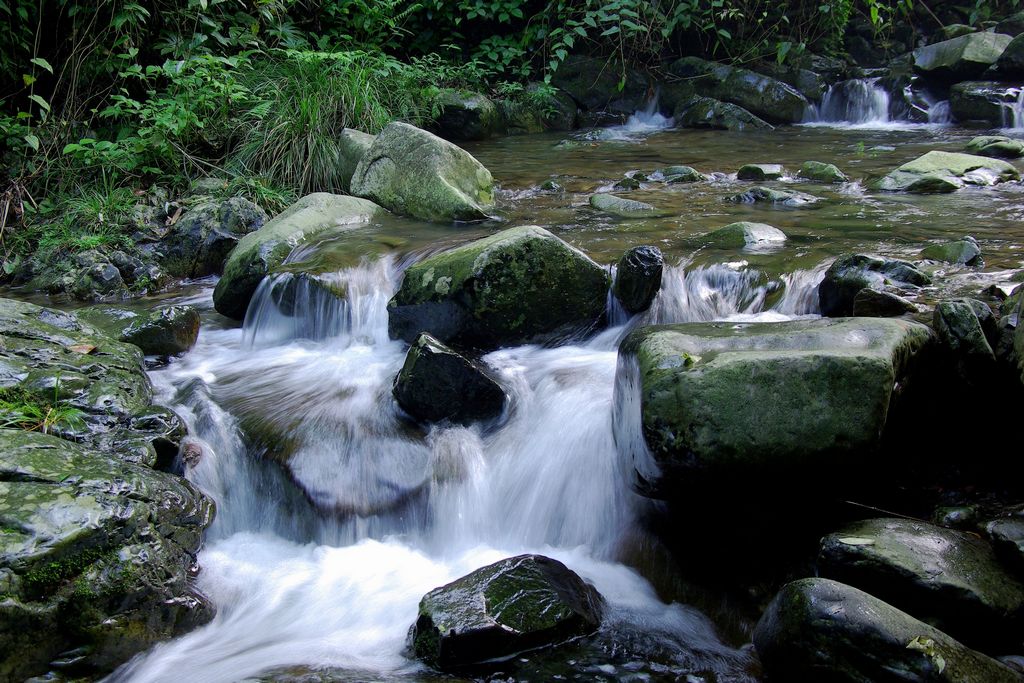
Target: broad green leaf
x=32 y=141
x=42 y=63
x=40 y=101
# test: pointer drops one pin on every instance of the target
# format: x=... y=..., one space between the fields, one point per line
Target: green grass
x=23 y=408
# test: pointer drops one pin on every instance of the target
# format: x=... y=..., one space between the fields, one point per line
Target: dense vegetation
x=110 y=98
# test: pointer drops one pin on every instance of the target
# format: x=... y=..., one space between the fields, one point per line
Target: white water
x=396 y=512
x=640 y=123
x=861 y=103
x=1013 y=114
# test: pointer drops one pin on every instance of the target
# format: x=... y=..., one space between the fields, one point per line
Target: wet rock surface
x=161 y=332
x=851 y=273
x=940 y=172
x=638 y=278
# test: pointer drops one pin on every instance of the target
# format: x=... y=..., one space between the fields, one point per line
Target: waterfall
x=640 y=122
x=939 y=112
x=856 y=101
x=1013 y=112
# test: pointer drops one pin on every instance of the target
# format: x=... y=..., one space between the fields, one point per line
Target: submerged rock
x=518 y=604
x=760 y=172
x=948 y=578
x=96 y=556
x=745 y=234
x=623 y=208
x=466 y=115
x=163 y=332
x=415 y=173
x=521 y=285
x=436 y=383
x=850 y=273
x=767 y=194
x=258 y=252
x=707 y=112
x=766 y=97
x=817 y=629
x=201 y=240
x=960 y=59
x=822 y=173
x=937 y=172
x=963 y=251
x=638 y=278
x=724 y=403
x=998 y=146
x=352 y=145
x=871 y=303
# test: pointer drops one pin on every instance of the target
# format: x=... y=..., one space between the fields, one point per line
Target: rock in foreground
x=727 y=403
x=948 y=578
x=96 y=556
x=163 y=332
x=822 y=630
x=851 y=273
x=518 y=604
x=436 y=383
x=521 y=285
x=415 y=173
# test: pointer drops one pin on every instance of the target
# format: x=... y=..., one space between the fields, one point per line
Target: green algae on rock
x=938 y=172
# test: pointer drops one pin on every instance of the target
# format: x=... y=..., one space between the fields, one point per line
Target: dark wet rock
x=638 y=278
x=436 y=384
x=745 y=234
x=552 y=108
x=257 y=253
x=352 y=145
x=760 y=172
x=850 y=273
x=871 y=303
x=594 y=84
x=772 y=196
x=808 y=83
x=1011 y=62
x=956 y=517
x=960 y=59
x=624 y=208
x=818 y=629
x=162 y=332
x=552 y=186
x=627 y=184
x=960 y=333
x=937 y=172
x=203 y=237
x=707 y=112
x=99 y=282
x=984 y=101
x=951 y=31
x=822 y=173
x=724 y=403
x=681 y=174
x=947 y=578
x=763 y=96
x=96 y=556
x=415 y=173
x=518 y=286
x=962 y=251
x=512 y=606
x=1007 y=535
x=1012 y=25
x=466 y=115
x=998 y=146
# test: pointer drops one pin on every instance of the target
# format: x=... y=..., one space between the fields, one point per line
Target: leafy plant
x=29 y=410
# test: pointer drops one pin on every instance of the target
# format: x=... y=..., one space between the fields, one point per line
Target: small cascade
x=940 y=112
x=640 y=122
x=856 y=101
x=1013 y=113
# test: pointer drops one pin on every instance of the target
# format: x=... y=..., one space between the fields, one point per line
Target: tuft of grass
x=23 y=408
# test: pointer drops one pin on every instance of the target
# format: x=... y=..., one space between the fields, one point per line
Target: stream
x=317 y=575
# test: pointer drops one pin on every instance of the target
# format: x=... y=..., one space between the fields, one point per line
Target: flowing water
x=320 y=565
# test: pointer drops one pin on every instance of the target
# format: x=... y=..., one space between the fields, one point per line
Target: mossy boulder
x=963 y=251
x=638 y=278
x=162 y=332
x=960 y=59
x=521 y=285
x=937 y=172
x=818 y=629
x=730 y=403
x=821 y=172
x=466 y=115
x=770 y=195
x=850 y=273
x=257 y=253
x=760 y=172
x=707 y=112
x=436 y=384
x=745 y=235
x=764 y=96
x=352 y=145
x=998 y=146
x=99 y=282
x=415 y=173
x=96 y=556
x=871 y=303
x=947 y=578
x=681 y=174
x=201 y=240
x=518 y=604
x=983 y=101
x=1011 y=62
x=624 y=208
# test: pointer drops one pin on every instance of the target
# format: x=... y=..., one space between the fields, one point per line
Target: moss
x=46 y=577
